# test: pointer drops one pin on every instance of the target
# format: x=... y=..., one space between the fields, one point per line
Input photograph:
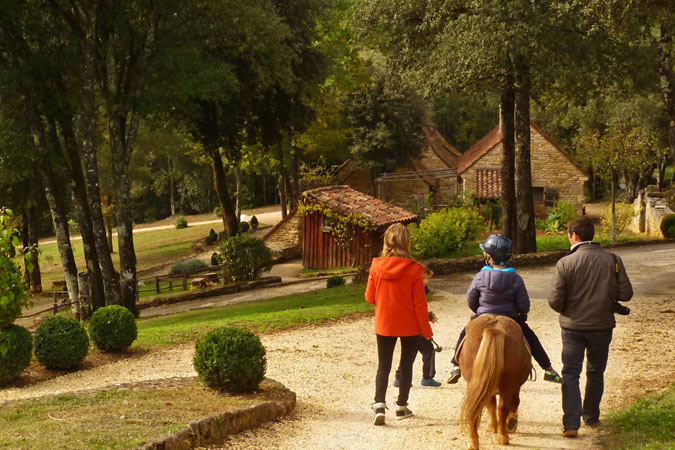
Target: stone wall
x=550 y=169
x=651 y=209
x=285 y=239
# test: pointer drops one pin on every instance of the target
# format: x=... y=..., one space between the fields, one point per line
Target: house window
x=551 y=195
x=538 y=194
x=327 y=224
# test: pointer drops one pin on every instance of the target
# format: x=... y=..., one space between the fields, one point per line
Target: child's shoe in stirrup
x=552 y=376
x=430 y=382
x=402 y=412
x=379 y=408
x=455 y=375
x=396 y=383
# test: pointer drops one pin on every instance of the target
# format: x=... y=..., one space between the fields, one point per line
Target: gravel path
x=332 y=369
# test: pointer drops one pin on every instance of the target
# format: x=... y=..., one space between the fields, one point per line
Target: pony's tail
x=487 y=369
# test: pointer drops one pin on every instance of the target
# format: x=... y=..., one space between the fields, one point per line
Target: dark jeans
x=538 y=352
x=385 y=354
x=595 y=346
x=426 y=348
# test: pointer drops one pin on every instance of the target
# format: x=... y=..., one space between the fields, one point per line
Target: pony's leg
x=512 y=419
x=492 y=414
x=473 y=437
x=502 y=432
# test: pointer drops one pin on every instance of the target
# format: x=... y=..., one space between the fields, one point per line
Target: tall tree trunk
x=282 y=178
x=33 y=228
x=526 y=240
x=226 y=207
x=60 y=223
x=88 y=126
x=667 y=78
x=508 y=173
x=25 y=239
x=295 y=191
x=122 y=140
x=237 y=207
x=613 y=196
x=172 y=187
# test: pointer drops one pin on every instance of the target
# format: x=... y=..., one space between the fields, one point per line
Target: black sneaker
x=402 y=412
x=552 y=376
x=455 y=375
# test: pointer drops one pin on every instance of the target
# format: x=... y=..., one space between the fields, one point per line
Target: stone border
x=473 y=263
x=214 y=429
x=231 y=288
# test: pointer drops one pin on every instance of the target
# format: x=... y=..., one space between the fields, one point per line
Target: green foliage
x=243 y=227
x=212 y=237
x=61 y=343
x=561 y=214
x=181 y=223
x=668 y=226
x=335 y=281
x=18 y=349
x=230 y=359
x=565 y=210
x=187 y=267
x=445 y=231
x=216 y=260
x=539 y=224
x=253 y=222
x=646 y=424
x=342 y=227
x=246 y=257
x=13 y=289
x=112 y=328
x=624 y=214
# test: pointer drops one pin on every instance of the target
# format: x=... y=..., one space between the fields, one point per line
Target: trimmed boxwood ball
x=335 y=281
x=113 y=328
x=16 y=350
x=230 y=359
x=61 y=343
x=668 y=226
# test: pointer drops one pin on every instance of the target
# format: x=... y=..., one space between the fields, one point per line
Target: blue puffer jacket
x=498 y=291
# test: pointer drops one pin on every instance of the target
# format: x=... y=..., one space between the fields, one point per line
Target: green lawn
x=261 y=316
x=647 y=424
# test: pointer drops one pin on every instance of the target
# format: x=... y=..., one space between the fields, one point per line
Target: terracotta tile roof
x=345 y=200
x=488 y=183
x=446 y=152
x=478 y=149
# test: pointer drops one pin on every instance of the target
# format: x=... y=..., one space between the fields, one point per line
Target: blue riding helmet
x=499 y=247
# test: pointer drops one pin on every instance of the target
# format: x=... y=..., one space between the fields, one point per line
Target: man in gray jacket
x=587 y=283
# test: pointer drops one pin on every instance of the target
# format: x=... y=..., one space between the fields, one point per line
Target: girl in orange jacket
x=396 y=288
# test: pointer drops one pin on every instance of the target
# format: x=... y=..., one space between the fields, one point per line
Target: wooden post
x=56 y=306
x=170 y=284
x=157 y=284
x=185 y=282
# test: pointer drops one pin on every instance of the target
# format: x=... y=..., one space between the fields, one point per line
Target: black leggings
x=426 y=349
x=538 y=352
x=385 y=354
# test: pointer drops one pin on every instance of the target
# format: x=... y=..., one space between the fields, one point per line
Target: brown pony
x=494 y=361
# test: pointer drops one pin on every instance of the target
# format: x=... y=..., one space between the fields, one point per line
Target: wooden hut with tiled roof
x=555 y=176
x=322 y=248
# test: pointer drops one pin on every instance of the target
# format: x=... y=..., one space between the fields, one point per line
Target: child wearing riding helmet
x=396 y=288
x=498 y=289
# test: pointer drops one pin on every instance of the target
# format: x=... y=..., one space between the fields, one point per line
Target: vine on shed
x=343 y=227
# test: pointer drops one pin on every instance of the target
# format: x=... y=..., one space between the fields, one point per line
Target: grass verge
x=117 y=419
x=649 y=423
x=261 y=316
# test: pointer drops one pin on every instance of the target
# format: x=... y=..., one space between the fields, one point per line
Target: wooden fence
x=211 y=274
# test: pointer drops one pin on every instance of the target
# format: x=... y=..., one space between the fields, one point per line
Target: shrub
x=246 y=257
x=113 y=328
x=181 y=223
x=230 y=359
x=668 y=226
x=335 y=281
x=254 y=223
x=13 y=288
x=222 y=235
x=61 y=343
x=566 y=211
x=18 y=349
x=216 y=260
x=539 y=224
x=187 y=267
x=554 y=224
x=624 y=214
x=243 y=227
x=217 y=211
x=211 y=238
x=445 y=231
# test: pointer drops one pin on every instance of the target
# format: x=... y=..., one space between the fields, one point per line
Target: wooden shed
x=324 y=247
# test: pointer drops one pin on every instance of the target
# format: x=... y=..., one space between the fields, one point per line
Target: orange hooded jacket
x=396 y=288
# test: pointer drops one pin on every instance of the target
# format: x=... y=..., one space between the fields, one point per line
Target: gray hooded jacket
x=500 y=292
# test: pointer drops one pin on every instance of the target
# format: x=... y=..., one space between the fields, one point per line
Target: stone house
x=431 y=178
x=555 y=176
x=312 y=231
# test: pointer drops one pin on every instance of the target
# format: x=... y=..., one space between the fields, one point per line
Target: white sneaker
x=402 y=412
x=379 y=408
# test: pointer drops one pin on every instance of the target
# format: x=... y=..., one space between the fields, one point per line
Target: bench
x=199 y=283
x=212 y=278
x=58 y=285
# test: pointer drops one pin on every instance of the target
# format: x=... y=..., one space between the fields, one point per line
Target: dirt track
x=332 y=369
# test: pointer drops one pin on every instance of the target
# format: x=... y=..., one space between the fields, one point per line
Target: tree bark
x=508 y=173
x=33 y=227
x=282 y=179
x=295 y=191
x=172 y=187
x=227 y=208
x=121 y=146
x=25 y=239
x=60 y=222
x=526 y=240
x=237 y=208
x=667 y=78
